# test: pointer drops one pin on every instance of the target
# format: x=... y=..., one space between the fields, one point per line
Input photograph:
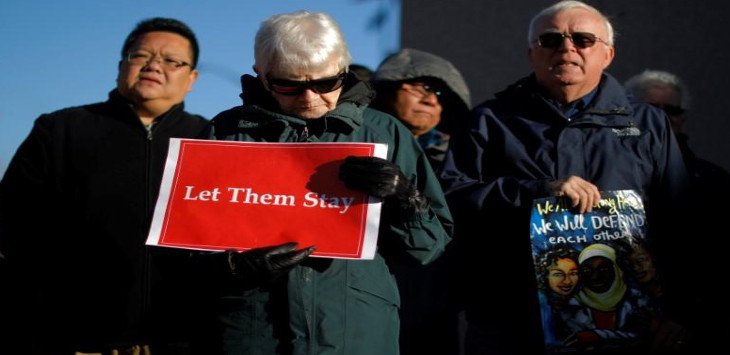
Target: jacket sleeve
x=424 y=235
x=27 y=222
x=24 y=187
x=671 y=172
x=469 y=186
x=668 y=218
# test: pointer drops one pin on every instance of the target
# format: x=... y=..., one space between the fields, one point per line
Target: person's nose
x=637 y=267
x=309 y=94
x=154 y=63
x=430 y=98
x=567 y=44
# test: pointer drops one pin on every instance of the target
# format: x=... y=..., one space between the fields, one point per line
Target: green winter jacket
x=332 y=306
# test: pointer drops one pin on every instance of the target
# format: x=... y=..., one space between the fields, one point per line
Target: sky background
x=58 y=54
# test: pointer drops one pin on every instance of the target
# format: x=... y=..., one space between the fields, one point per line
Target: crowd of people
x=78 y=277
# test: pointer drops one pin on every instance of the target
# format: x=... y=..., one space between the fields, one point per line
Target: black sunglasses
x=553 y=40
x=296 y=87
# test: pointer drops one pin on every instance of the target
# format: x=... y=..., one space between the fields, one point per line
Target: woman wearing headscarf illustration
x=606 y=313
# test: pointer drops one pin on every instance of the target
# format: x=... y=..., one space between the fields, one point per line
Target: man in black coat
x=75 y=207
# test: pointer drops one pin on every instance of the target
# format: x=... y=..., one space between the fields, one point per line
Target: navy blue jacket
x=515 y=145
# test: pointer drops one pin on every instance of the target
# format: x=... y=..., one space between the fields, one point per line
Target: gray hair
x=300 y=40
x=639 y=84
x=563 y=6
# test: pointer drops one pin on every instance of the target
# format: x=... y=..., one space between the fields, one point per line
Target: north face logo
x=626 y=132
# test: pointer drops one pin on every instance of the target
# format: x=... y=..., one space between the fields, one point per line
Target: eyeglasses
x=420 y=89
x=144 y=58
x=670 y=110
x=553 y=40
x=297 y=87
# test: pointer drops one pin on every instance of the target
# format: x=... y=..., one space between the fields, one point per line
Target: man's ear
x=610 y=53
x=191 y=79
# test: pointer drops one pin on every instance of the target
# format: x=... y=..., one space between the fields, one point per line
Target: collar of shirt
x=433 y=137
x=572 y=109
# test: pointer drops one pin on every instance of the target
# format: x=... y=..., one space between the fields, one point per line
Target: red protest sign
x=218 y=195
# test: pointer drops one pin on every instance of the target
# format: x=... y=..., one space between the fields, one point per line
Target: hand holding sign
x=220 y=195
x=381 y=178
x=252 y=268
x=262 y=265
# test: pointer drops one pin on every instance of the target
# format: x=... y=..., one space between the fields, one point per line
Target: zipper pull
x=148 y=128
x=304 y=135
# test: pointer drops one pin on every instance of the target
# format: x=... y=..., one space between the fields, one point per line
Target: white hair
x=300 y=40
x=563 y=6
x=639 y=84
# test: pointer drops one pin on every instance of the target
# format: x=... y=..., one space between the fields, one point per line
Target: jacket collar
x=610 y=99
x=610 y=105
x=122 y=105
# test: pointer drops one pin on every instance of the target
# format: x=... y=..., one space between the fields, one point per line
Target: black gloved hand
x=262 y=265
x=381 y=178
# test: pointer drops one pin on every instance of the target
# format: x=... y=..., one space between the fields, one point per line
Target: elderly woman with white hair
x=302 y=92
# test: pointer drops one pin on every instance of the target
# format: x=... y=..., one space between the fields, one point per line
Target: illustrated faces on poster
x=563 y=276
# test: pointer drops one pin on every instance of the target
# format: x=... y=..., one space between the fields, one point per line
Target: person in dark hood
x=303 y=92
x=426 y=93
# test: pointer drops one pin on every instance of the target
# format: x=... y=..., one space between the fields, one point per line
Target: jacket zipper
x=304 y=135
x=146 y=256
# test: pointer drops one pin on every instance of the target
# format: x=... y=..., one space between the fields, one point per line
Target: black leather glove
x=259 y=266
x=267 y=262
x=381 y=178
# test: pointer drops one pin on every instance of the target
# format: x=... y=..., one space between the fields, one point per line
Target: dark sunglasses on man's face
x=296 y=87
x=553 y=40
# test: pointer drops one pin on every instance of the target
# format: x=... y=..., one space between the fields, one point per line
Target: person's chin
x=146 y=84
x=147 y=90
x=566 y=79
x=565 y=74
x=310 y=114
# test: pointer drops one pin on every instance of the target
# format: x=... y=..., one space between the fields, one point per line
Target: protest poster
x=219 y=195
x=598 y=287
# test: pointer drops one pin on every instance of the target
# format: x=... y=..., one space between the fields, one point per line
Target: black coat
x=76 y=202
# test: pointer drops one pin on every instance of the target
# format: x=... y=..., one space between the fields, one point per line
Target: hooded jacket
x=334 y=306
x=412 y=64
